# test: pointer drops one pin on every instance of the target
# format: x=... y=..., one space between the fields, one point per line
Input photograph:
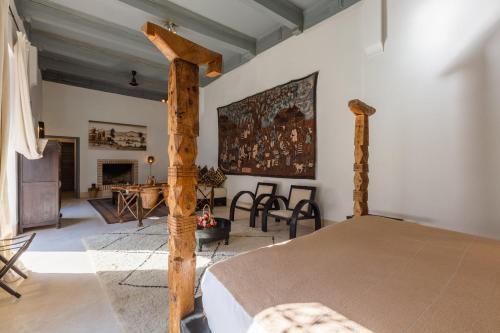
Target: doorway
x=70 y=162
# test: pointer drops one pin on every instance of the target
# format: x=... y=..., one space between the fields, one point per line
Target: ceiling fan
x=133 y=81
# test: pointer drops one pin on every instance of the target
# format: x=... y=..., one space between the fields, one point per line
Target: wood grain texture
x=361 y=112
x=182 y=172
x=183 y=127
x=174 y=46
x=39 y=196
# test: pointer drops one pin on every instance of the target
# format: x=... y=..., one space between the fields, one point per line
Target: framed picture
x=116 y=136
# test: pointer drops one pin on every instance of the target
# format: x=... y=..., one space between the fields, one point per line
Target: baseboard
x=328 y=222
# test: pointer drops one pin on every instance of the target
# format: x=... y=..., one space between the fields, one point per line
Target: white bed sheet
x=223 y=312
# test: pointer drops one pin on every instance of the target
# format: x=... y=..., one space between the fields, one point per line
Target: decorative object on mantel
x=93 y=191
x=272 y=133
x=116 y=136
x=361 y=141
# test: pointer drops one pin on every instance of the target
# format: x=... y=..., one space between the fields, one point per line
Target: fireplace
x=116 y=172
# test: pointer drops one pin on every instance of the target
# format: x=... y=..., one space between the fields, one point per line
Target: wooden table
x=220 y=232
x=130 y=198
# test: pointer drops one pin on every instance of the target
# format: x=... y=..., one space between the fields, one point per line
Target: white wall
x=67 y=110
x=434 y=152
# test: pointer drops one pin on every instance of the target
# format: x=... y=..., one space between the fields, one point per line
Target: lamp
x=151 y=160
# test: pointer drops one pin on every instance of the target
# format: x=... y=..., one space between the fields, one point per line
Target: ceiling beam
x=58 y=63
x=82 y=82
x=283 y=11
x=192 y=21
x=50 y=17
x=81 y=50
x=324 y=9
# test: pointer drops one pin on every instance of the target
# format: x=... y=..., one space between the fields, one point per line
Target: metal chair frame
x=21 y=244
x=312 y=212
x=256 y=201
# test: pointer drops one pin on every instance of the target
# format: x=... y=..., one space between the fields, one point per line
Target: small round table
x=219 y=232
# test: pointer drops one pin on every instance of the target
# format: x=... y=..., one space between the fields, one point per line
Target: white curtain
x=25 y=142
x=6 y=228
x=17 y=128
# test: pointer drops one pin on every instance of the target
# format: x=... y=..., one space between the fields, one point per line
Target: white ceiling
x=78 y=39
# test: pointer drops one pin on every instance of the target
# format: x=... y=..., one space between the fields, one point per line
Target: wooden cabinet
x=39 y=190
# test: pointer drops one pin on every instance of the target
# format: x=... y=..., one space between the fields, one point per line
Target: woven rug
x=108 y=211
x=132 y=267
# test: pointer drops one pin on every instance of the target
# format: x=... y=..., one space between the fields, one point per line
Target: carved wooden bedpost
x=361 y=141
x=183 y=85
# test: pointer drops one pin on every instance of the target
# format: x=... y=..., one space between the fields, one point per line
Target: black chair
x=263 y=192
x=18 y=244
x=299 y=205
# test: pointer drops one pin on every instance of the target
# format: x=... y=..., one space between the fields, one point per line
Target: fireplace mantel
x=107 y=187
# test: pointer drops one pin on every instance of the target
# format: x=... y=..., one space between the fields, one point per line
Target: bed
x=367 y=274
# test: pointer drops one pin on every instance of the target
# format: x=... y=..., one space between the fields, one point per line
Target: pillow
x=211 y=177
x=219 y=178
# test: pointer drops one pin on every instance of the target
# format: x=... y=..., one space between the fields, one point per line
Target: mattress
x=368 y=274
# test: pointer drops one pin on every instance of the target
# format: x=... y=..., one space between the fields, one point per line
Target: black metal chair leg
x=293 y=227
x=253 y=214
x=317 y=222
x=264 y=221
x=231 y=212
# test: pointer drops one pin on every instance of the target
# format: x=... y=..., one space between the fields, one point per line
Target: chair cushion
x=264 y=189
x=219 y=192
x=297 y=195
x=247 y=205
x=241 y=204
x=284 y=213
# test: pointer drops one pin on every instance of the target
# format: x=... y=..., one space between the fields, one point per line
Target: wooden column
x=362 y=112
x=183 y=128
x=182 y=133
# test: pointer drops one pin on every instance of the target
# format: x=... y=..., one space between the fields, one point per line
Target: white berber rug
x=132 y=267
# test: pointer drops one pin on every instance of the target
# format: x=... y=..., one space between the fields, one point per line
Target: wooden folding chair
x=17 y=244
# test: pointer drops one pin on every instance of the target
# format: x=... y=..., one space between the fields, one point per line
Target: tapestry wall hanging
x=272 y=133
x=115 y=136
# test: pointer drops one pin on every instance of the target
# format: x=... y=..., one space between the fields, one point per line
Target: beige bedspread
x=378 y=274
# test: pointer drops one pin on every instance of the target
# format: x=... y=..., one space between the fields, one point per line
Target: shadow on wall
x=478 y=69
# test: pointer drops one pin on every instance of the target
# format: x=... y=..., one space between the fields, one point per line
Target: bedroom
x=430 y=69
